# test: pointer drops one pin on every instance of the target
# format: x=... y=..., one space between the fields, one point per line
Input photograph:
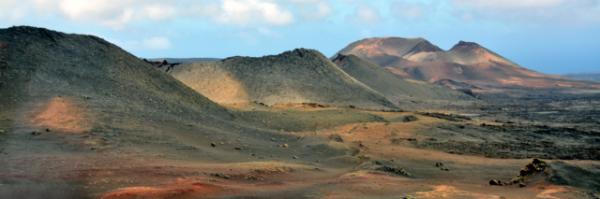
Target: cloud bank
x=119 y=14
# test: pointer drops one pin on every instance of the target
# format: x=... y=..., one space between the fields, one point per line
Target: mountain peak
x=389 y=46
x=27 y=29
x=23 y=35
x=425 y=46
x=464 y=45
x=298 y=53
x=301 y=52
x=33 y=32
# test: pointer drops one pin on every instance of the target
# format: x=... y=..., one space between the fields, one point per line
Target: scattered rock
x=388 y=167
x=2 y=131
x=495 y=182
x=408 y=197
x=448 y=117
x=400 y=140
x=295 y=157
x=409 y=118
x=284 y=145
x=336 y=137
x=252 y=178
x=35 y=133
x=394 y=170
x=535 y=167
x=441 y=166
x=238 y=148
x=213 y=144
x=220 y=175
x=361 y=145
x=47 y=130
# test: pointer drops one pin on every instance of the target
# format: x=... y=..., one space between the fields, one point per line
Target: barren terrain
x=81 y=118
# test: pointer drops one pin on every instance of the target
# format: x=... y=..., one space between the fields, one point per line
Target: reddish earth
x=466 y=62
x=175 y=190
x=63 y=114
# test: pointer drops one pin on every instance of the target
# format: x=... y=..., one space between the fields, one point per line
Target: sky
x=551 y=36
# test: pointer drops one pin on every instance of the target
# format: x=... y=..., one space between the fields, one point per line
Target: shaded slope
x=39 y=63
x=396 y=89
x=466 y=62
x=293 y=77
x=64 y=95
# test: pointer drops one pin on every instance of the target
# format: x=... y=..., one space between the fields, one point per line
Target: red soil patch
x=551 y=191
x=447 y=191
x=176 y=190
x=62 y=114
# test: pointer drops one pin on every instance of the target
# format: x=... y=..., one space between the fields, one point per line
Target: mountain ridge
x=398 y=90
x=291 y=77
x=467 y=62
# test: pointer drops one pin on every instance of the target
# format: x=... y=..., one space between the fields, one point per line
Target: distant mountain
x=584 y=76
x=465 y=63
x=183 y=60
x=293 y=77
x=396 y=89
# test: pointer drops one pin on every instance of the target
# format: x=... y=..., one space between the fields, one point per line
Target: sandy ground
x=127 y=173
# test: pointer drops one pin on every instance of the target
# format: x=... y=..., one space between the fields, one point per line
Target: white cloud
x=119 y=14
x=11 y=10
x=114 y=13
x=158 y=11
x=323 y=9
x=410 y=11
x=122 y=14
x=365 y=14
x=247 y=12
x=313 y=9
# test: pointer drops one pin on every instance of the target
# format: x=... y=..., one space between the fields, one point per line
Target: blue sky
x=552 y=36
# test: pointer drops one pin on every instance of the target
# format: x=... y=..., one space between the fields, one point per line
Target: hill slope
x=466 y=62
x=74 y=104
x=293 y=77
x=38 y=64
x=396 y=89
